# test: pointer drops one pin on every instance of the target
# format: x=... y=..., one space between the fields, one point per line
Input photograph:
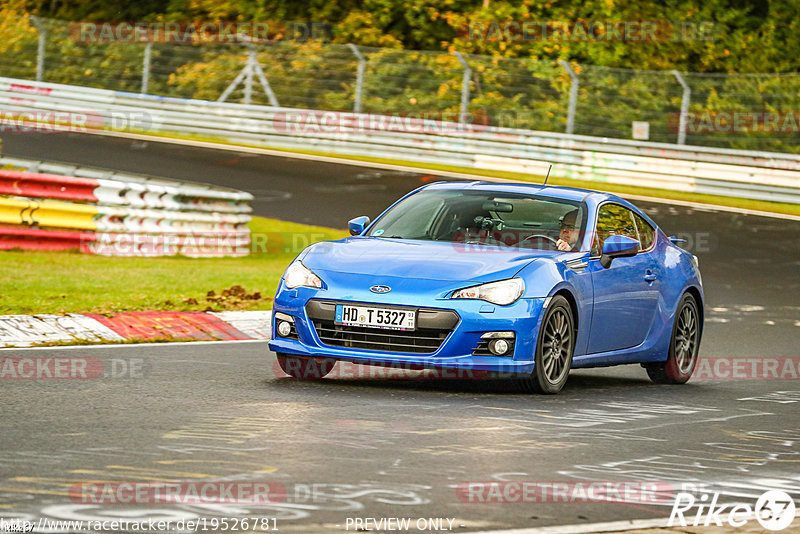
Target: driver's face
x=568 y=232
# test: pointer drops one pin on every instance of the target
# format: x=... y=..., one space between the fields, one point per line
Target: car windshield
x=484 y=217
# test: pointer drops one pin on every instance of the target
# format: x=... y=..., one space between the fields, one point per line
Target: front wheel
x=554 y=349
x=683 y=347
x=306 y=368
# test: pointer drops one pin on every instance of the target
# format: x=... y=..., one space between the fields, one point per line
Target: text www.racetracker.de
x=201 y=524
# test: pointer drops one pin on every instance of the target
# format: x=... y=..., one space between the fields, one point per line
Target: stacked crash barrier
x=714 y=171
x=50 y=206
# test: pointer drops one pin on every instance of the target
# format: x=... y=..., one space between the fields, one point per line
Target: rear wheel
x=303 y=367
x=683 y=346
x=554 y=349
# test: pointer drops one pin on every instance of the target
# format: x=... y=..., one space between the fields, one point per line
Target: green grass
x=33 y=282
x=128 y=341
x=758 y=205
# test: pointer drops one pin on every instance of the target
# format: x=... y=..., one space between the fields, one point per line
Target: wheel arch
x=573 y=305
x=698 y=298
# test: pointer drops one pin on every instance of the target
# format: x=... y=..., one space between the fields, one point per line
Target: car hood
x=428 y=260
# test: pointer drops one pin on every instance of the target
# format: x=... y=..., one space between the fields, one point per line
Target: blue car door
x=626 y=293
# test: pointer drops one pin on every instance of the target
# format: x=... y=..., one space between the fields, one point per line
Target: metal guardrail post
x=37 y=22
x=273 y=101
x=463 y=115
x=146 y=67
x=362 y=64
x=687 y=96
x=248 y=78
x=573 y=95
x=251 y=68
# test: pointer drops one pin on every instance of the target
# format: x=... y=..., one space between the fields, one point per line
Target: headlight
x=502 y=293
x=298 y=275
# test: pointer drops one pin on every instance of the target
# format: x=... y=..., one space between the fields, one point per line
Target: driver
x=568 y=235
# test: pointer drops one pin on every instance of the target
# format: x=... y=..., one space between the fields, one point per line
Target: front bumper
x=473 y=319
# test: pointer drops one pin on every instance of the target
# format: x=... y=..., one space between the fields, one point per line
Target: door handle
x=650 y=277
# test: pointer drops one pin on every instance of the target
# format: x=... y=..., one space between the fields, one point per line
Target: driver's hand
x=563 y=245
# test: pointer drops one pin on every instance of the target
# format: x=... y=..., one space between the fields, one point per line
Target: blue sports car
x=514 y=278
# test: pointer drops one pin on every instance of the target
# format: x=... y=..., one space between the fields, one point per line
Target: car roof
x=567 y=193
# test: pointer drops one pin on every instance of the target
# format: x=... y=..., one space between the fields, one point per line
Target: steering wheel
x=539 y=236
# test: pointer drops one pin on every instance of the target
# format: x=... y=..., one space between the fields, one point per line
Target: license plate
x=375 y=317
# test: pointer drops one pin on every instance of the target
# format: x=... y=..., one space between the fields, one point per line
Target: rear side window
x=613 y=219
x=646 y=232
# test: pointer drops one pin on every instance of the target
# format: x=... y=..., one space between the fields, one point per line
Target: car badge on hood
x=380 y=289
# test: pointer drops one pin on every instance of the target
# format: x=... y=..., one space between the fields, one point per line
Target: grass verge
x=33 y=282
x=129 y=341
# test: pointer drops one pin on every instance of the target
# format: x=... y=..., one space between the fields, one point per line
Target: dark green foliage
x=515 y=82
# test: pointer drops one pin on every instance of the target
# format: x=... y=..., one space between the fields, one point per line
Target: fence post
x=258 y=71
x=687 y=96
x=463 y=115
x=573 y=95
x=362 y=65
x=146 y=67
x=37 y=22
x=251 y=68
x=248 y=78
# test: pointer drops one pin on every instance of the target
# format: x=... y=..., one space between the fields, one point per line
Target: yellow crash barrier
x=47 y=213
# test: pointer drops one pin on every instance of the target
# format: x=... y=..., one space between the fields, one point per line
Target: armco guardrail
x=118 y=214
x=753 y=175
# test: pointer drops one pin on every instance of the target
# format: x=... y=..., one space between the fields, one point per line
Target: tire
x=305 y=368
x=554 y=350
x=683 y=346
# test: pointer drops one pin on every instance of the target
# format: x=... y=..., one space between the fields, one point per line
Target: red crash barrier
x=30 y=184
x=12 y=237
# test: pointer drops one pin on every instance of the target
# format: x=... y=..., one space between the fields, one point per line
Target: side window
x=613 y=219
x=646 y=232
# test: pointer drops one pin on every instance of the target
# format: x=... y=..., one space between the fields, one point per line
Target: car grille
x=433 y=327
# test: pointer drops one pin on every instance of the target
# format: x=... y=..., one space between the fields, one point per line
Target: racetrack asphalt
x=380 y=447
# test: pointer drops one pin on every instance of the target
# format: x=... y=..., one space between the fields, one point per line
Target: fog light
x=498 y=346
x=284 y=328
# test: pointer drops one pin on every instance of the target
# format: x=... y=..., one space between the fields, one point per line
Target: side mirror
x=358 y=225
x=618 y=246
